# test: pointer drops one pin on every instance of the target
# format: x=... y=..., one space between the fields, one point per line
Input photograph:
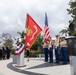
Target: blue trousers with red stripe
x=56 y=55
x=46 y=54
x=64 y=54
x=50 y=51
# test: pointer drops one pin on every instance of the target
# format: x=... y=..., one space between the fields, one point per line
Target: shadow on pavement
x=44 y=65
x=10 y=66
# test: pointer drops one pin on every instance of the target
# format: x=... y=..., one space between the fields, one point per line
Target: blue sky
x=13 y=15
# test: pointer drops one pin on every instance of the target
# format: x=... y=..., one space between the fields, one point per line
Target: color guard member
x=45 y=47
x=50 y=51
x=63 y=45
x=57 y=49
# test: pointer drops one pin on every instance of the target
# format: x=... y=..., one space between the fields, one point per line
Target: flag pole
x=26 y=21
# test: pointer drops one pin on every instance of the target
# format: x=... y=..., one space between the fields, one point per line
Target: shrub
x=13 y=51
x=35 y=54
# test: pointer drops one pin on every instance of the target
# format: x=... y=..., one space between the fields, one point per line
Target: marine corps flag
x=32 y=32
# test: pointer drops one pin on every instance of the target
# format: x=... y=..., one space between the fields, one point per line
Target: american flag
x=19 y=49
x=46 y=30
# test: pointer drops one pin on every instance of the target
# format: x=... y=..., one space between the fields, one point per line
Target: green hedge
x=31 y=54
x=13 y=51
x=35 y=54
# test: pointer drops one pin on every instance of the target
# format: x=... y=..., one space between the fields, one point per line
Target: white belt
x=64 y=46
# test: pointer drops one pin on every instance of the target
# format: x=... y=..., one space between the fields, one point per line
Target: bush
x=35 y=54
x=31 y=54
x=13 y=51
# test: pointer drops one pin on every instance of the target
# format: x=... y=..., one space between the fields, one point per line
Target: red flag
x=32 y=32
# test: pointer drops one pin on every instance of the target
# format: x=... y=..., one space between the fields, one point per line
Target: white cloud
x=13 y=14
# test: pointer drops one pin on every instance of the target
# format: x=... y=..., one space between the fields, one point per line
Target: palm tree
x=64 y=31
x=74 y=33
x=22 y=34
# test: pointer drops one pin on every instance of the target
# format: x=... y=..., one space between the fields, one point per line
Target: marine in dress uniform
x=45 y=47
x=50 y=51
x=57 y=49
x=63 y=45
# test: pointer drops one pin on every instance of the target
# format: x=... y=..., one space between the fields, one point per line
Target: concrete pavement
x=36 y=66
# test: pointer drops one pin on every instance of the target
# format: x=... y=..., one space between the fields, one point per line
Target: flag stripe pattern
x=19 y=49
x=46 y=30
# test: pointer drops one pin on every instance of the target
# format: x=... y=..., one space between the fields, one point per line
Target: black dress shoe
x=50 y=62
x=45 y=61
x=57 y=62
x=64 y=63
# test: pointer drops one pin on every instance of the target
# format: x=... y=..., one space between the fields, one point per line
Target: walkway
x=35 y=66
